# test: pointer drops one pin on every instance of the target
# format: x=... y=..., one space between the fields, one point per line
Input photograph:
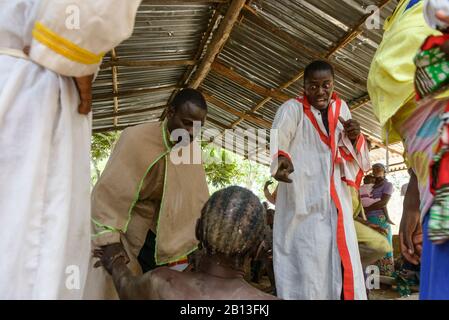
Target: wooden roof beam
x=201 y=48
x=224 y=107
x=217 y=43
x=359 y=103
x=378 y=143
x=347 y=37
x=248 y=84
x=115 y=86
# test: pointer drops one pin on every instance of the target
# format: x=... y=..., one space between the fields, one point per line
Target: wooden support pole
x=115 y=86
x=201 y=48
x=218 y=41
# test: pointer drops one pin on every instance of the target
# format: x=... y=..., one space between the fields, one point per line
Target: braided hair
x=232 y=223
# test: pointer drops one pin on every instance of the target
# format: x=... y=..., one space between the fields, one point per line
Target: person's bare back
x=230 y=231
x=169 y=284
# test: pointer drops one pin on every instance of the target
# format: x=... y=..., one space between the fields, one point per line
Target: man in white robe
x=320 y=153
x=47 y=61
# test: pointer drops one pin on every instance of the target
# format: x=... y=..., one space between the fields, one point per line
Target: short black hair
x=232 y=223
x=191 y=95
x=318 y=65
x=380 y=165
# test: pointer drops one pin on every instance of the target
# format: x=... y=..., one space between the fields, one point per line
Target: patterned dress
x=378 y=217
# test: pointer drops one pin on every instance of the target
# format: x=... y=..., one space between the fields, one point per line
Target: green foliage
x=102 y=144
x=224 y=168
x=220 y=169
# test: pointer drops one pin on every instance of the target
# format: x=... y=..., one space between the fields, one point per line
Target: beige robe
x=141 y=189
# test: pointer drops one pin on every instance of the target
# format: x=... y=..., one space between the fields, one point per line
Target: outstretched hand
x=108 y=255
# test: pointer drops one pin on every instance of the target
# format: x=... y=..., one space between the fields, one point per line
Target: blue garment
x=411 y=4
x=434 y=278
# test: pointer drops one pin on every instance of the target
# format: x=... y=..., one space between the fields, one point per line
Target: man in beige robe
x=143 y=187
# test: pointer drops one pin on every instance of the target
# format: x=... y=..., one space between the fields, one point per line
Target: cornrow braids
x=232 y=223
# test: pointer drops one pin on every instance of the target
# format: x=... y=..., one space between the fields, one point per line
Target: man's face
x=318 y=88
x=184 y=117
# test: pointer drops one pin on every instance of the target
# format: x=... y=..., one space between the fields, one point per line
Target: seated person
x=230 y=231
x=263 y=262
x=371 y=238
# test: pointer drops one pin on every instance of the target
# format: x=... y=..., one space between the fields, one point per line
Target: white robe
x=45 y=143
x=307 y=247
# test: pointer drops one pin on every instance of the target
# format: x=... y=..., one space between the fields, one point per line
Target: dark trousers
x=146 y=256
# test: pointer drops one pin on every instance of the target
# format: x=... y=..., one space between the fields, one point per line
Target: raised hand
x=352 y=128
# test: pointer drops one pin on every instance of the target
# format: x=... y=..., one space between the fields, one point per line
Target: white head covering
x=430 y=9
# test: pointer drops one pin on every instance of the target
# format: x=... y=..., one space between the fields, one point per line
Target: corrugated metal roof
x=264 y=47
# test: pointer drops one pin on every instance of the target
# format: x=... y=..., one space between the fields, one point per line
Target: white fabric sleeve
x=284 y=130
x=70 y=37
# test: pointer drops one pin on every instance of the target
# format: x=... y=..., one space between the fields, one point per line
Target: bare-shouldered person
x=230 y=230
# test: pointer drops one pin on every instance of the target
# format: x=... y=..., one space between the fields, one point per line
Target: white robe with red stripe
x=314 y=234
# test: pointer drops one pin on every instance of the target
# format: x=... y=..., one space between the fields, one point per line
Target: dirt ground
x=384 y=293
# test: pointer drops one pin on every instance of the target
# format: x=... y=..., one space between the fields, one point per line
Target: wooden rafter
x=360 y=102
x=217 y=123
x=257 y=120
x=217 y=43
x=297 y=44
x=248 y=84
x=115 y=86
x=347 y=37
x=375 y=142
x=201 y=48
